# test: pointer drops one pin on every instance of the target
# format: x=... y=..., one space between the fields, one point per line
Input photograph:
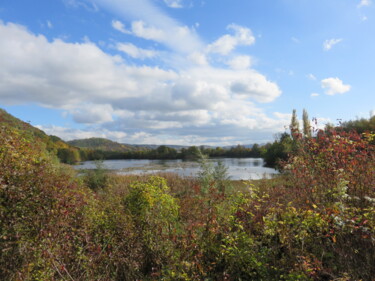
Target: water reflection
x=238 y=168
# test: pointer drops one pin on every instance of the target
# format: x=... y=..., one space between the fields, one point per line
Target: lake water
x=238 y=168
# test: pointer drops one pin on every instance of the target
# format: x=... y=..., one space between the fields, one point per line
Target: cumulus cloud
x=99 y=89
x=73 y=134
x=334 y=86
x=240 y=62
x=227 y=43
x=93 y=114
x=257 y=88
x=62 y=74
x=135 y=52
x=198 y=58
x=328 y=44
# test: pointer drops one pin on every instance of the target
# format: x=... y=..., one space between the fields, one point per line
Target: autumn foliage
x=314 y=222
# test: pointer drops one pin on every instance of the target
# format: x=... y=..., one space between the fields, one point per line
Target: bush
x=96 y=178
x=155 y=216
x=40 y=213
x=213 y=176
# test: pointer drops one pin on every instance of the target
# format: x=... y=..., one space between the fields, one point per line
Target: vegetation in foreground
x=315 y=222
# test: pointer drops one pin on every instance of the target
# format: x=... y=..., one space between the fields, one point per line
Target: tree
x=306 y=125
x=294 y=125
x=193 y=153
x=68 y=155
x=255 y=150
x=278 y=151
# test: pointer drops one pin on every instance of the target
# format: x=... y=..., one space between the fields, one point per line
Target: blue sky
x=193 y=72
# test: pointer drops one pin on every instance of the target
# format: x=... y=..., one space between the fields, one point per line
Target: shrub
x=155 y=215
x=40 y=212
x=96 y=178
x=335 y=165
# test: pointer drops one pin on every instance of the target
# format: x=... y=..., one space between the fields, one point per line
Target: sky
x=185 y=72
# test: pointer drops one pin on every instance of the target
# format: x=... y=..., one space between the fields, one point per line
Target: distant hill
x=244 y=145
x=102 y=144
x=108 y=145
x=155 y=146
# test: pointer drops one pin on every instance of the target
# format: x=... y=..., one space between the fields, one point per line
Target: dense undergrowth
x=314 y=222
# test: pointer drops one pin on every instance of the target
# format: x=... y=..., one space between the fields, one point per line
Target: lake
x=238 y=168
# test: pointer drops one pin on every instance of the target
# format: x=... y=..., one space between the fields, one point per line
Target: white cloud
x=240 y=62
x=135 y=52
x=311 y=76
x=364 y=3
x=174 y=36
x=227 y=43
x=334 y=86
x=141 y=29
x=328 y=44
x=313 y=95
x=258 y=88
x=198 y=101
x=118 y=25
x=151 y=23
x=62 y=74
x=73 y=134
x=93 y=114
x=198 y=58
x=173 y=3
x=285 y=116
x=83 y=71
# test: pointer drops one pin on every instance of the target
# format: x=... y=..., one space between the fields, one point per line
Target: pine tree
x=306 y=125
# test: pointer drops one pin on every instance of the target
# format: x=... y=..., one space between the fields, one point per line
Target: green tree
x=294 y=125
x=306 y=124
x=193 y=153
x=68 y=155
x=278 y=151
x=255 y=150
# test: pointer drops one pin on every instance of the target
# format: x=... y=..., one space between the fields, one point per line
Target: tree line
x=74 y=155
x=273 y=153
